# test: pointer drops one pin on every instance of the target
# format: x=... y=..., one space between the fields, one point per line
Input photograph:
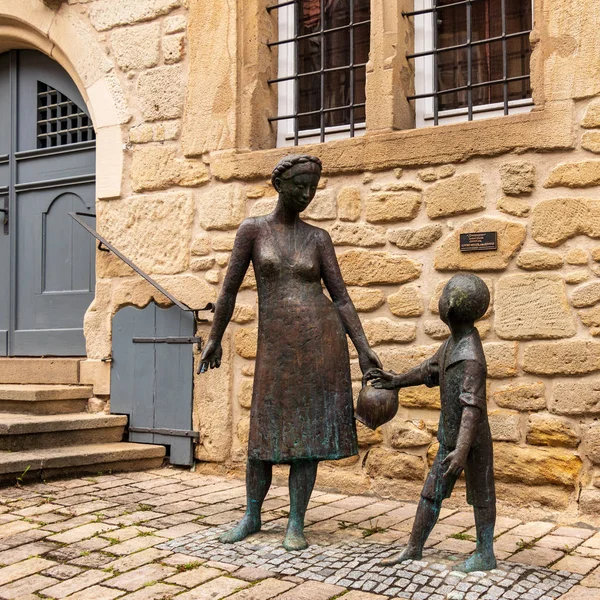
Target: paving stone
x=14 y=555
x=576 y=564
x=93 y=560
x=80 y=533
x=138 y=559
x=75 y=584
x=158 y=591
x=97 y=592
x=534 y=529
x=28 y=585
x=559 y=542
x=582 y=593
x=266 y=589
x=134 y=580
x=216 y=589
x=312 y=590
x=24 y=569
x=62 y=572
x=135 y=545
x=252 y=574
x=538 y=556
x=193 y=577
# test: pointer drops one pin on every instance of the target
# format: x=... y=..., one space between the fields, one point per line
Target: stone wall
x=394 y=204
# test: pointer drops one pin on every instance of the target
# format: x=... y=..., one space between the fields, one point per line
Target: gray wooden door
x=47 y=169
x=152 y=382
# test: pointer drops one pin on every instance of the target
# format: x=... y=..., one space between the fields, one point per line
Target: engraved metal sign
x=481 y=241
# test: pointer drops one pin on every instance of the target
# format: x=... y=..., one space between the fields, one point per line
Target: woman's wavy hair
x=285 y=164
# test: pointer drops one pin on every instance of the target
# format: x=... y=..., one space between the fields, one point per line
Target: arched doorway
x=47 y=169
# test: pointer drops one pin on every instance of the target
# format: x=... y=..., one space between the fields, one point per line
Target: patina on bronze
x=459 y=368
x=302 y=399
x=375 y=406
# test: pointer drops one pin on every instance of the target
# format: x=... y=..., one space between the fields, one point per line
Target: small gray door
x=152 y=381
x=47 y=143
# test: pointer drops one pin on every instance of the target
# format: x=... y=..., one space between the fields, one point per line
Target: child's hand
x=382 y=379
x=456 y=463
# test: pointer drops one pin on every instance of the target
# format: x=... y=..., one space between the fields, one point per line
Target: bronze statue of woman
x=302 y=409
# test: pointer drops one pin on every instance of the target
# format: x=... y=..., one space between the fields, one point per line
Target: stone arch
x=63 y=36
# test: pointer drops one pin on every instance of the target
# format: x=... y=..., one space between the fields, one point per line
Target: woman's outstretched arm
x=332 y=277
x=238 y=265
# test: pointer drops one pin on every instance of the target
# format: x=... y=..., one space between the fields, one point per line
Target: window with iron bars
x=471 y=59
x=323 y=48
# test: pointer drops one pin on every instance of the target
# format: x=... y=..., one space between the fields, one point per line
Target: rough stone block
x=517 y=178
x=505 y=425
x=511 y=236
x=221 y=208
x=436 y=329
x=416 y=239
x=386 y=331
x=136 y=48
x=420 y=397
x=407 y=434
x=107 y=14
x=363 y=267
x=539 y=260
x=501 y=358
x=357 y=234
x=388 y=207
x=592 y=444
x=263 y=207
x=547 y=430
x=591 y=141
x=430 y=174
x=349 y=204
x=243 y=313
x=514 y=207
x=575 y=175
x=590 y=317
x=576 y=277
x=246 y=341
x=562 y=358
x=459 y=195
x=383 y=462
x=406 y=302
x=175 y=24
x=173 y=47
x=532 y=306
x=591 y=118
x=536 y=466
x=367 y=437
x=366 y=300
x=577 y=256
x=323 y=207
x=160 y=93
x=521 y=396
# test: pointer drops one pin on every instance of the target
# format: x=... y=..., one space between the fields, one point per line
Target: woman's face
x=299 y=186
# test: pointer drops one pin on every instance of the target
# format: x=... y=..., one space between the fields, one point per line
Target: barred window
x=471 y=59
x=323 y=48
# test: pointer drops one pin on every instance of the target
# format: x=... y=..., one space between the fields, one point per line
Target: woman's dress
x=302 y=398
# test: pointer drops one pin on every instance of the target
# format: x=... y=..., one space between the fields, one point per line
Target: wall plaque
x=481 y=241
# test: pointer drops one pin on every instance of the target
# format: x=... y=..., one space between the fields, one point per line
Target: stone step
x=39 y=399
x=88 y=459
x=40 y=370
x=20 y=432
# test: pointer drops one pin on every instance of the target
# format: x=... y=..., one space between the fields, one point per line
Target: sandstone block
x=511 y=236
x=399 y=359
x=532 y=306
x=158 y=167
x=589 y=504
x=386 y=331
x=459 y=195
x=383 y=462
x=154 y=231
x=388 y=207
x=243 y=430
x=243 y=313
x=407 y=434
x=173 y=47
x=200 y=246
x=175 y=24
x=521 y=396
x=245 y=393
x=430 y=174
x=141 y=134
x=256 y=191
x=514 y=207
x=538 y=260
x=416 y=239
x=591 y=141
x=136 y=48
x=576 y=277
x=420 y=397
x=323 y=207
x=222 y=242
x=555 y=221
x=546 y=430
x=406 y=302
x=591 y=118
x=501 y=358
x=517 y=178
x=363 y=267
x=107 y=14
x=562 y=358
x=366 y=300
x=504 y=425
x=399 y=186
x=577 y=256
x=357 y=234
x=590 y=317
x=586 y=295
x=160 y=93
x=436 y=329
x=246 y=341
x=263 y=207
x=367 y=437
x=535 y=466
x=221 y=208
x=575 y=175
x=592 y=444
x=203 y=263
x=213 y=276
x=349 y=204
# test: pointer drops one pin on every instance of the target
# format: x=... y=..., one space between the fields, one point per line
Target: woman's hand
x=211 y=356
x=368 y=360
x=456 y=463
x=380 y=379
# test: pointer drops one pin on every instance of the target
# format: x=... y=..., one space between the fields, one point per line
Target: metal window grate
x=59 y=120
x=329 y=51
x=479 y=56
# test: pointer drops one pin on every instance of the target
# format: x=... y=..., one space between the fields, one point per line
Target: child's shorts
x=479 y=475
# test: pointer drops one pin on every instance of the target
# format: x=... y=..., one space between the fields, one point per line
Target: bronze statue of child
x=459 y=368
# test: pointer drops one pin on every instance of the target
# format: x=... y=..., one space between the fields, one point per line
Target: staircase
x=45 y=431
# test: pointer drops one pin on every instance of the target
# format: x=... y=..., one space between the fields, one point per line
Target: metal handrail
x=75 y=216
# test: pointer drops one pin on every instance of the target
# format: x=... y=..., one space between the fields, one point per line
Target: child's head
x=464 y=300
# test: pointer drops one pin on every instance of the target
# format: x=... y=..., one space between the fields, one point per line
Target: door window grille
x=323 y=48
x=471 y=59
x=59 y=120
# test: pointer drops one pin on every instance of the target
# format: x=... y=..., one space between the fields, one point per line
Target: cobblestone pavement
x=152 y=536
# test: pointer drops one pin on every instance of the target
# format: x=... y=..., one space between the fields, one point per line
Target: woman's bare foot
x=407 y=554
x=294 y=538
x=247 y=526
x=478 y=561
